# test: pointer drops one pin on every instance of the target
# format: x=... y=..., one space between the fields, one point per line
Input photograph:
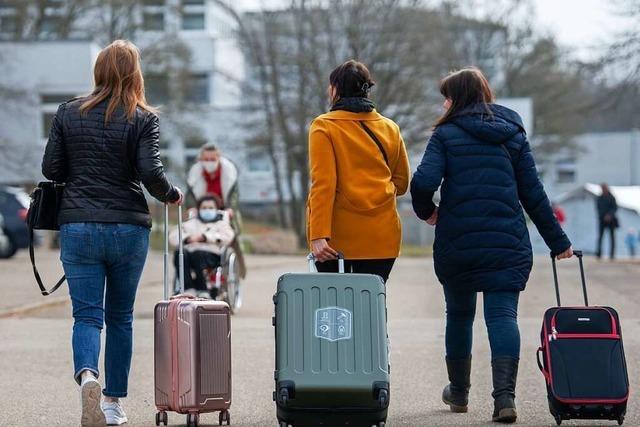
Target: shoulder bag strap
x=43 y=290
x=376 y=140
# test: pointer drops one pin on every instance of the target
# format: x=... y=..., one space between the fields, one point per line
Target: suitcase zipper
x=554 y=332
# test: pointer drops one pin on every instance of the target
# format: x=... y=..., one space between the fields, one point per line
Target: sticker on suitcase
x=333 y=323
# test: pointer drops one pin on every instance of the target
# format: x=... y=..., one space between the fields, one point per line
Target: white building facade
x=45 y=73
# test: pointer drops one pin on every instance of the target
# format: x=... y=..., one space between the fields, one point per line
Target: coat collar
x=348 y=115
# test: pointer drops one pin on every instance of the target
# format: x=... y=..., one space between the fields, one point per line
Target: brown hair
x=351 y=79
x=117 y=75
x=465 y=87
x=210 y=196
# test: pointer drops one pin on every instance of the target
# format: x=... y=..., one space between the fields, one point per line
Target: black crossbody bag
x=377 y=141
x=43 y=215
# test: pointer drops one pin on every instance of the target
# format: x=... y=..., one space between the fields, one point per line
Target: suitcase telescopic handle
x=166 y=252
x=578 y=255
x=312 y=262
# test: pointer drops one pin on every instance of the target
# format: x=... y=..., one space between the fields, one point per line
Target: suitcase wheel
x=225 y=416
x=162 y=418
x=192 y=420
x=620 y=420
x=558 y=419
x=383 y=400
x=284 y=424
x=381 y=424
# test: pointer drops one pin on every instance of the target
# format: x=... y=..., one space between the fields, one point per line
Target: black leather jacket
x=103 y=164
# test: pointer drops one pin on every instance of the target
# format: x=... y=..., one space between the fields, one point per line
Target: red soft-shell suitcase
x=192 y=348
x=583 y=360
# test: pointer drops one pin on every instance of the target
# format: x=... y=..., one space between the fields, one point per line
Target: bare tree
x=290 y=52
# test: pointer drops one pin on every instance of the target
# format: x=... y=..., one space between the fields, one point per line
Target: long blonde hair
x=117 y=75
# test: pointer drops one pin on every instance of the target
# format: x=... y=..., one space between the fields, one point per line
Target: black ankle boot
x=456 y=394
x=505 y=372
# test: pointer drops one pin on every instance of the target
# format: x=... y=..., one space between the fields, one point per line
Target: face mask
x=208 y=215
x=210 y=165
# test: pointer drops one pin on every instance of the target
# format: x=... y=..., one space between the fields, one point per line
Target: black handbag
x=43 y=215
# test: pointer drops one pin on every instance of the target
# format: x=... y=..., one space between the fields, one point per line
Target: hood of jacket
x=498 y=126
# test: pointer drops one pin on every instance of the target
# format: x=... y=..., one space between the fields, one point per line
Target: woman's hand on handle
x=322 y=251
x=566 y=254
x=180 y=198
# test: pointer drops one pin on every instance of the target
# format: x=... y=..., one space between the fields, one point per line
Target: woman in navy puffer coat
x=480 y=159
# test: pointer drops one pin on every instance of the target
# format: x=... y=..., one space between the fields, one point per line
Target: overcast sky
x=581 y=24
x=585 y=24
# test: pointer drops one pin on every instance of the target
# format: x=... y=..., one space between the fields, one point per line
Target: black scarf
x=354 y=105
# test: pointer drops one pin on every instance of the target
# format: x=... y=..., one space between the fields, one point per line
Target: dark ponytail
x=351 y=79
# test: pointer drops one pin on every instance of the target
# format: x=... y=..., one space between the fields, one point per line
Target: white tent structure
x=581 y=223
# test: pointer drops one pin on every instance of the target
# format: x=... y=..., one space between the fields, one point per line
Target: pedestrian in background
x=631 y=240
x=358 y=165
x=479 y=157
x=102 y=146
x=213 y=174
x=559 y=213
x=607 y=220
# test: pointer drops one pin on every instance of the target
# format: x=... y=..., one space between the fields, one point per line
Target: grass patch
x=416 y=251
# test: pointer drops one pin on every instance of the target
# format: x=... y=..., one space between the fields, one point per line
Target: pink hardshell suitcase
x=192 y=348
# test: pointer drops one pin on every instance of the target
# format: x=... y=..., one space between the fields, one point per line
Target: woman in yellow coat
x=358 y=164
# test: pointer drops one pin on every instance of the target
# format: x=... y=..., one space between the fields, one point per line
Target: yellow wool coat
x=352 y=200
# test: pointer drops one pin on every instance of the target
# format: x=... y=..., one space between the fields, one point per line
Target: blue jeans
x=93 y=254
x=501 y=318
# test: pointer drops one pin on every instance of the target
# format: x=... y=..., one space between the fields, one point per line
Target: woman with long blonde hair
x=103 y=146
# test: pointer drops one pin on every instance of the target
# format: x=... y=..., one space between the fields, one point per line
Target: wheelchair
x=223 y=281
x=226 y=279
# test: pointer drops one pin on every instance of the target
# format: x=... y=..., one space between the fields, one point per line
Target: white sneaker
x=90 y=396
x=114 y=413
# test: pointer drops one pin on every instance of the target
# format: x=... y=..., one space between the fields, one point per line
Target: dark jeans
x=604 y=226
x=195 y=262
x=501 y=318
x=95 y=256
x=381 y=267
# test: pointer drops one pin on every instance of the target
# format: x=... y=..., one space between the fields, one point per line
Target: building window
x=153 y=21
x=153 y=15
x=193 y=21
x=194 y=142
x=55 y=98
x=566 y=171
x=197 y=89
x=193 y=15
x=47 y=120
x=258 y=161
x=157 y=88
x=8 y=24
x=50 y=25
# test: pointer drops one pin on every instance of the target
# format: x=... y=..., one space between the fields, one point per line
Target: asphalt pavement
x=37 y=388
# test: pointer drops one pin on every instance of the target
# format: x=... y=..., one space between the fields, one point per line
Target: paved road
x=36 y=388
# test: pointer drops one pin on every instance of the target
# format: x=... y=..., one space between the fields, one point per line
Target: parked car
x=14 y=204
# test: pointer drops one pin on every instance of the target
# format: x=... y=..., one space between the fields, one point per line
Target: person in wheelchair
x=215 y=174
x=205 y=237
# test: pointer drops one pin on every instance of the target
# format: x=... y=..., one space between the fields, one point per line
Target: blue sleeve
x=536 y=203
x=427 y=178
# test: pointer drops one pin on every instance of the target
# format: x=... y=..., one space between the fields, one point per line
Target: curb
x=52 y=302
x=17 y=311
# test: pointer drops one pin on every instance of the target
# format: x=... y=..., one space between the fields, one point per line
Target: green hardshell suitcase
x=332 y=351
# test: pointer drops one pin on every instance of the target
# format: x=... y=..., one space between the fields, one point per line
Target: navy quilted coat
x=487 y=174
